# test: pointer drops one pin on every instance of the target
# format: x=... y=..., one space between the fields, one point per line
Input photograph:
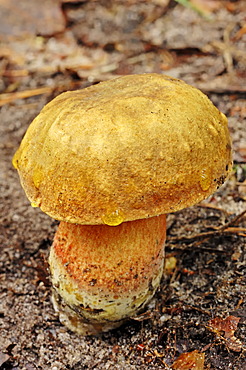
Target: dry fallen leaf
x=189 y=361
x=20 y=19
x=207 y=6
x=225 y=329
x=3 y=358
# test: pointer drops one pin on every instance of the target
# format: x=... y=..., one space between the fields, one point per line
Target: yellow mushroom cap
x=133 y=147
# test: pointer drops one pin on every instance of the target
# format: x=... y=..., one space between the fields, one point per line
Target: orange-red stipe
x=104 y=274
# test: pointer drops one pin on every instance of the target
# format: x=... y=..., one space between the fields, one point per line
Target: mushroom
x=109 y=161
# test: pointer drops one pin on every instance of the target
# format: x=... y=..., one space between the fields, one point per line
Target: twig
x=211 y=206
x=10 y=97
x=225 y=229
x=195 y=308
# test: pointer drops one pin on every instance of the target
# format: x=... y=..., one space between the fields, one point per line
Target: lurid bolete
x=109 y=162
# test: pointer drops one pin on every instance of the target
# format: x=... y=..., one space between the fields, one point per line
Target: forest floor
x=52 y=46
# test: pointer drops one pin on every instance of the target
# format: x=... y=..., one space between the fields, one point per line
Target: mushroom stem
x=103 y=274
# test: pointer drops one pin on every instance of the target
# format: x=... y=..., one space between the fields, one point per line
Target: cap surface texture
x=129 y=148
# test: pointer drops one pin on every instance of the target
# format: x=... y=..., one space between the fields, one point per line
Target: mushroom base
x=102 y=275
